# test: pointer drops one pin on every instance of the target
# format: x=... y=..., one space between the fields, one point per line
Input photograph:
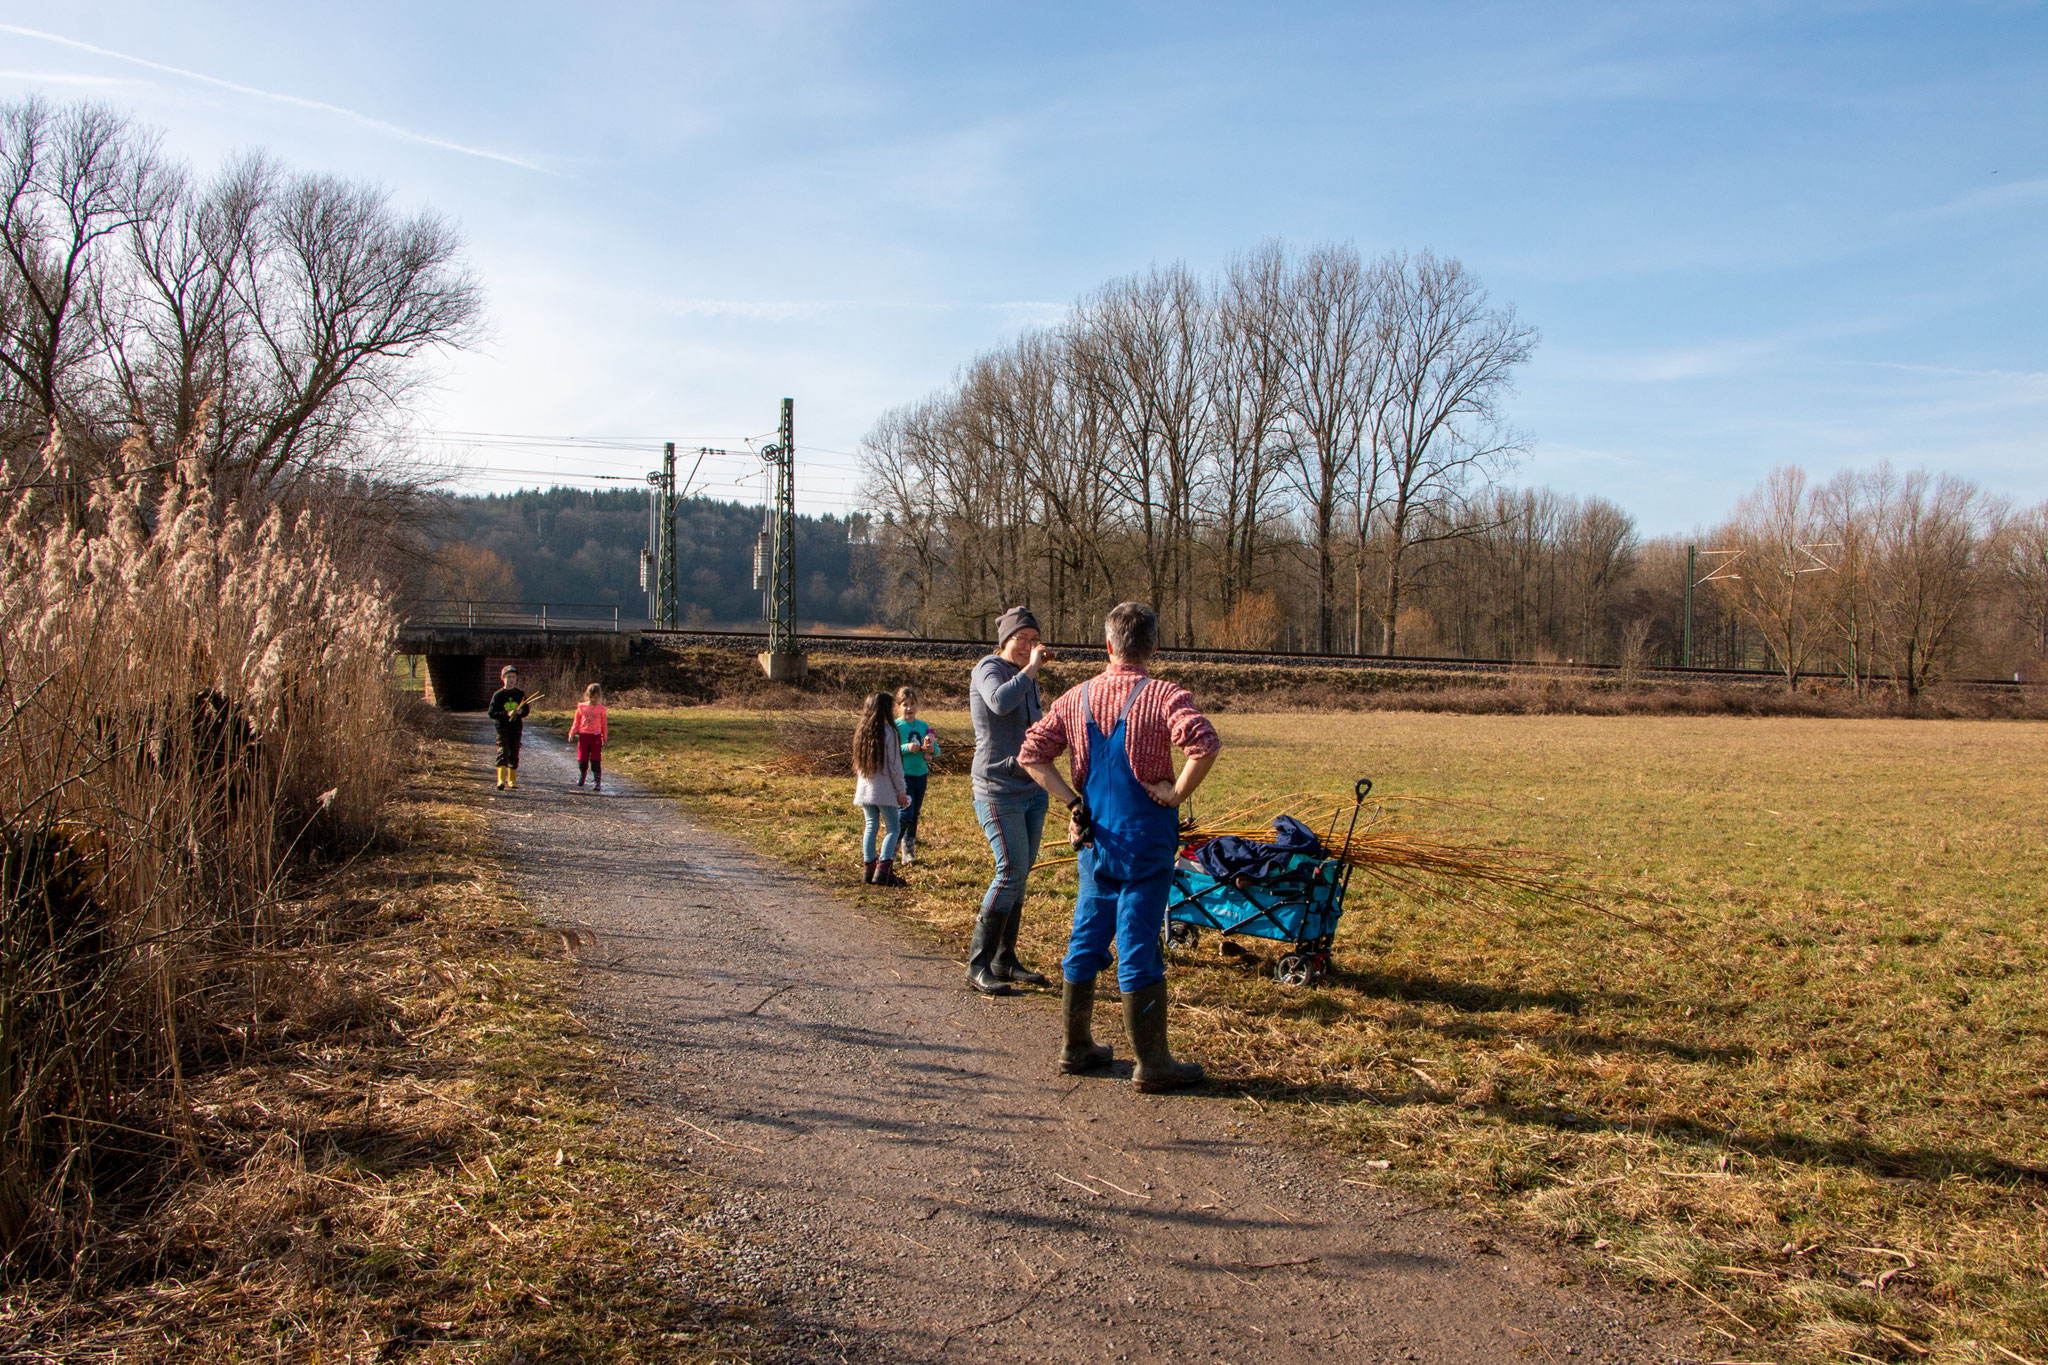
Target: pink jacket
x=589 y=721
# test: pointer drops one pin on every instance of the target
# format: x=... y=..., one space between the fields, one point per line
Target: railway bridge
x=466 y=643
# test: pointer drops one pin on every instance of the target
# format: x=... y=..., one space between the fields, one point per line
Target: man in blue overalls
x=1125 y=821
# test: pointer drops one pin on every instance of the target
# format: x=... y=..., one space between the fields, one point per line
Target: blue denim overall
x=1127 y=871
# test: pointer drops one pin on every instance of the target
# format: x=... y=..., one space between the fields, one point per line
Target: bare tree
x=1598 y=549
x=1138 y=351
x=1331 y=334
x=1848 y=509
x=1450 y=362
x=71 y=181
x=1927 y=570
x=1247 y=381
x=1063 y=453
x=342 y=296
x=174 y=325
x=1776 y=532
x=2027 y=577
x=264 y=328
x=897 y=485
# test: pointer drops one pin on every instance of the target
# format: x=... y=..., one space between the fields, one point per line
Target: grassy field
x=1818 y=1115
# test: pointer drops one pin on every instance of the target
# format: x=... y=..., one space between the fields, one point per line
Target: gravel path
x=918 y=1181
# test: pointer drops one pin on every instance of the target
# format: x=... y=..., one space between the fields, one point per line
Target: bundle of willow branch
x=1395 y=855
x=1410 y=860
x=1403 y=858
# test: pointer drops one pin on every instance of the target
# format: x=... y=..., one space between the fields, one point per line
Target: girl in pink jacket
x=588 y=731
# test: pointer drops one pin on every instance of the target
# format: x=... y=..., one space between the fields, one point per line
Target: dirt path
x=935 y=1190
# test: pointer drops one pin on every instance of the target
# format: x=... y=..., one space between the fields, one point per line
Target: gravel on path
x=909 y=1175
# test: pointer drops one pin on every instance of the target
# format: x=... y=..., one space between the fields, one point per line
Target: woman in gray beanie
x=1004 y=703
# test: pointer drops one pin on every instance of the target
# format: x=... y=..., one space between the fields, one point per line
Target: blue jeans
x=1132 y=914
x=889 y=818
x=916 y=782
x=1013 y=828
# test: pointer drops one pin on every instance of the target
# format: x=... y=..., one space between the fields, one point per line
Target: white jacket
x=885 y=787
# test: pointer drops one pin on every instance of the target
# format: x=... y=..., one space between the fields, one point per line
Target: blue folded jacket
x=1230 y=857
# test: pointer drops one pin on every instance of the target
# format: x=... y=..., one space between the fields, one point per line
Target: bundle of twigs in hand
x=820 y=744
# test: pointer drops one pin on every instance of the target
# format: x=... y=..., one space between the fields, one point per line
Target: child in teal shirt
x=919 y=745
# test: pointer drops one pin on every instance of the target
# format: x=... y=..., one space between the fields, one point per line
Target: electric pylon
x=783 y=660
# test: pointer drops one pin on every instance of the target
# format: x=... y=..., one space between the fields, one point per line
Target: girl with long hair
x=588 y=731
x=879 y=788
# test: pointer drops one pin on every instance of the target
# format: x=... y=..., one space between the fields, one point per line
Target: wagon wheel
x=1318 y=966
x=1293 y=970
x=1182 y=935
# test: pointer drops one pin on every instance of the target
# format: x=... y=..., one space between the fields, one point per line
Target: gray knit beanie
x=1012 y=621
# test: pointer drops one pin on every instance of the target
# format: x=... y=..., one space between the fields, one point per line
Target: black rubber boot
x=981 y=954
x=1145 y=1019
x=885 y=874
x=1082 y=1052
x=1006 y=966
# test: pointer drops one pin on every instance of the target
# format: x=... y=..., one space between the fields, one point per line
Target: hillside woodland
x=571 y=545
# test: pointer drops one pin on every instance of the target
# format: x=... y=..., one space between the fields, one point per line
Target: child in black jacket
x=508 y=711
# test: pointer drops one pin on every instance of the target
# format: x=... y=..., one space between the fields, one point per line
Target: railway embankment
x=694 y=668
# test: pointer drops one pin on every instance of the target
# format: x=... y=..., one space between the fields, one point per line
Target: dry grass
x=420 y=1155
x=1819 y=1120
x=191 y=704
x=283 y=1071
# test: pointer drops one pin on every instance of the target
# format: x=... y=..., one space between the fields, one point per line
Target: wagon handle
x=1359 y=792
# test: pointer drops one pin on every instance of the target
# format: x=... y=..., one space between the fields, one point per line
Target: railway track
x=903 y=647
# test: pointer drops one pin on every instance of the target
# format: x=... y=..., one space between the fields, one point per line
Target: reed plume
x=190 y=698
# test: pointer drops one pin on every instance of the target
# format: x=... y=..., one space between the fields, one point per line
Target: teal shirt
x=910 y=733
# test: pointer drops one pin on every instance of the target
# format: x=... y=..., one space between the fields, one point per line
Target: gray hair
x=1132 y=629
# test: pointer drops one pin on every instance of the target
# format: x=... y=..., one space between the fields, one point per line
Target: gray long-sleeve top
x=1004 y=704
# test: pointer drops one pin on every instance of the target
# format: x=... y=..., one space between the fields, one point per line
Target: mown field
x=1816 y=1111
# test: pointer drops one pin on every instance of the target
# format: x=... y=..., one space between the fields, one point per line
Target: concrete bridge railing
x=541 y=616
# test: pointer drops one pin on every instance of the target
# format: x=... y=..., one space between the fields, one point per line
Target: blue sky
x=1750 y=233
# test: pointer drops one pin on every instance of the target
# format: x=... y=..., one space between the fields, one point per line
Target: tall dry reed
x=190 y=700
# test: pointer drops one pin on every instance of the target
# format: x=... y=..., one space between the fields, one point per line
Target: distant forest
x=571 y=545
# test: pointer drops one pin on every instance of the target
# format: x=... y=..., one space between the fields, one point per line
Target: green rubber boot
x=1145 y=1019
x=1082 y=1052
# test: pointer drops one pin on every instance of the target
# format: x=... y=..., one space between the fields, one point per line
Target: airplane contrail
x=301 y=102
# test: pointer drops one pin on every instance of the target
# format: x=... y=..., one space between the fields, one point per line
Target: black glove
x=1083 y=833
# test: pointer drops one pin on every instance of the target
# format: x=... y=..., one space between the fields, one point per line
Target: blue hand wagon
x=1289 y=897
